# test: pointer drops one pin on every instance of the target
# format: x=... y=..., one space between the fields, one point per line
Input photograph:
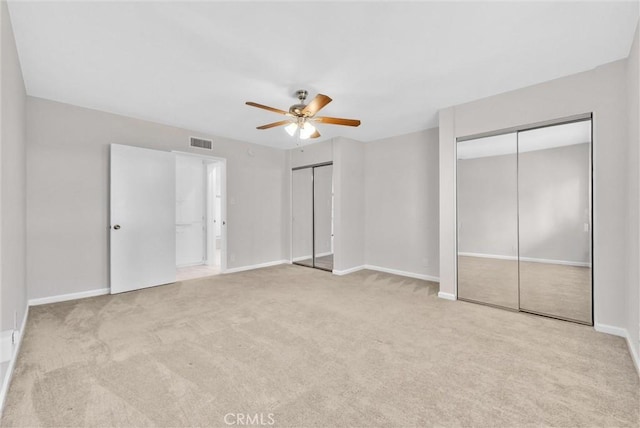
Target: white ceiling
x=390 y=64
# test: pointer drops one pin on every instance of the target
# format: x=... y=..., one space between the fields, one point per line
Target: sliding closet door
x=323 y=216
x=302 y=216
x=488 y=220
x=554 y=169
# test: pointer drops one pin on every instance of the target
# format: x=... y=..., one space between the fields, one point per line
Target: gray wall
x=67 y=194
x=386 y=200
x=348 y=173
x=311 y=153
x=13 y=292
x=401 y=203
x=602 y=91
x=633 y=222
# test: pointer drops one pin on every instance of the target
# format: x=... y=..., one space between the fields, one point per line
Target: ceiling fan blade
x=315 y=134
x=275 y=110
x=274 y=124
x=316 y=104
x=337 y=121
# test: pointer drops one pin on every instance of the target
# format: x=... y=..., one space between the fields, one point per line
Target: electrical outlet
x=232 y=257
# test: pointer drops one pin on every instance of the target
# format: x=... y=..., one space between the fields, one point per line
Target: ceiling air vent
x=201 y=143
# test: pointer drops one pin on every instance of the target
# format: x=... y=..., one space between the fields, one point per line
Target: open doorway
x=200 y=240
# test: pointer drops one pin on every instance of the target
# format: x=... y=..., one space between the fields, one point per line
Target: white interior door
x=142 y=233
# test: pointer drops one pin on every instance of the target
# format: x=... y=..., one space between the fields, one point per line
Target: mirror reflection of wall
x=524 y=220
x=302 y=216
x=323 y=216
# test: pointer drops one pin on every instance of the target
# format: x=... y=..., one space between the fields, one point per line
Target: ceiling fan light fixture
x=306 y=130
x=291 y=128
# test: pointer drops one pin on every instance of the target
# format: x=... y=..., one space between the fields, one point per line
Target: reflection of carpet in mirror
x=324 y=262
x=551 y=289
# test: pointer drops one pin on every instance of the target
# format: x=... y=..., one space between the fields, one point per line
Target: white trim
x=348 y=271
x=446 y=296
x=610 y=329
x=70 y=296
x=258 y=266
x=387 y=270
x=621 y=332
x=403 y=273
x=634 y=356
x=526 y=259
x=16 y=349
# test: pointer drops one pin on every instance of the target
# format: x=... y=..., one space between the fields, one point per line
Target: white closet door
x=142 y=234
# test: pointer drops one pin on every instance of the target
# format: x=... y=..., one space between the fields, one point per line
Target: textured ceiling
x=390 y=64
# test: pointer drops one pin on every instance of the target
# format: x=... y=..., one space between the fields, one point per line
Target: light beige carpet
x=314 y=350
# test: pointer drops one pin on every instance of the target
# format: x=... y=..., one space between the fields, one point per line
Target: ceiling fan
x=302 y=116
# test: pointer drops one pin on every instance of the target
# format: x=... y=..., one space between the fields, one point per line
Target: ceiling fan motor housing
x=296 y=109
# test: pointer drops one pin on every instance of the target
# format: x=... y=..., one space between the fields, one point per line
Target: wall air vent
x=201 y=143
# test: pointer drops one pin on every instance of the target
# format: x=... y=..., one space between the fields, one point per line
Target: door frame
x=223 y=202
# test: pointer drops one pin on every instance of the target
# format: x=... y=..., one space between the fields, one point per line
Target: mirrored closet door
x=488 y=220
x=554 y=198
x=312 y=216
x=524 y=220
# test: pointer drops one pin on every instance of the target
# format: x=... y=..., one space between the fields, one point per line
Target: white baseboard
x=622 y=332
x=610 y=329
x=258 y=266
x=70 y=296
x=12 y=362
x=634 y=355
x=387 y=270
x=403 y=273
x=526 y=259
x=348 y=271
x=446 y=296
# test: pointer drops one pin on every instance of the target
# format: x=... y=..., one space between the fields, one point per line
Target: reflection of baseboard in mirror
x=524 y=217
x=527 y=259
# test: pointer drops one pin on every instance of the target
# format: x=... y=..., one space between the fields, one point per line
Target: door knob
x=116 y=227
